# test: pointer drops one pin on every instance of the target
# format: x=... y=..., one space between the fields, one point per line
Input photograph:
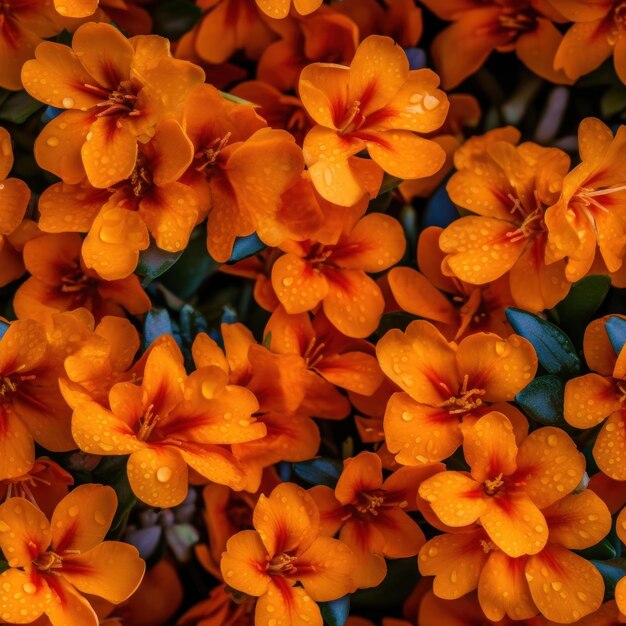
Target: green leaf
x=555 y=351
x=18 y=107
x=267 y=340
x=542 y=399
x=389 y=183
x=3 y=565
x=153 y=262
x=320 y=471
x=336 y=613
x=613 y=101
x=616 y=330
x=245 y=247
x=582 y=302
x=602 y=550
x=173 y=18
x=612 y=572
x=236 y=99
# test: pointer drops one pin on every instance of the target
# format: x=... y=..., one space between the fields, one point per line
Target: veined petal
x=24 y=532
x=290 y=605
x=610 y=445
x=563 y=585
x=364 y=472
x=244 y=562
x=19 y=607
x=549 y=453
x=455 y=560
x=366 y=543
x=456 y=499
x=589 y=400
x=14 y=196
x=82 y=519
x=90 y=572
x=354 y=371
x=298 y=285
x=323 y=89
x=68 y=607
x=287 y=520
x=410 y=429
x=579 y=520
x=17 y=449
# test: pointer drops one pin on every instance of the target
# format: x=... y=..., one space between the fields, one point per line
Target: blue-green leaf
x=245 y=247
x=336 y=613
x=555 y=351
x=440 y=210
x=157 y=323
x=616 y=330
x=542 y=399
x=18 y=107
x=173 y=18
x=612 y=572
x=320 y=471
x=3 y=328
x=153 y=262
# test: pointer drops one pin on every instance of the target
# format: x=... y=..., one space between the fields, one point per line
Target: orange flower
x=466 y=309
x=278 y=9
x=115 y=99
x=239 y=170
x=45 y=485
x=597 y=34
x=446 y=385
x=230 y=25
x=373 y=105
x=620 y=589
x=169 y=422
x=31 y=406
x=278 y=382
x=24 y=26
x=599 y=397
x=53 y=563
x=506 y=488
x=371 y=514
x=591 y=210
x=14 y=197
x=333 y=271
x=508 y=188
x=479 y=28
x=332 y=359
x=279 y=110
x=60 y=282
x=560 y=584
x=285 y=549
x=324 y=36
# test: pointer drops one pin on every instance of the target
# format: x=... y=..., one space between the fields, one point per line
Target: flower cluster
x=290 y=335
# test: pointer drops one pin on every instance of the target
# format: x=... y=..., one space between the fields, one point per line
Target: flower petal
x=243 y=563
x=24 y=532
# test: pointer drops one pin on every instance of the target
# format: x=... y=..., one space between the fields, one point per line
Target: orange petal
x=18 y=608
x=109 y=153
x=298 y=285
x=402 y=535
x=377 y=72
x=56 y=76
x=354 y=371
x=243 y=562
x=68 y=607
x=515 y=524
x=620 y=595
x=455 y=560
x=503 y=590
x=375 y=243
x=322 y=87
x=14 y=196
x=464 y=241
x=589 y=400
x=76 y=8
x=609 y=447
x=501 y=367
x=579 y=521
x=564 y=586
x=418 y=106
x=410 y=430
x=104 y=52
x=415 y=294
x=90 y=573
x=112 y=246
x=585 y=47
x=206 y=353
x=17 y=449
x=405 y=155
x=489 y=447
x=363 y=472
x=24 y=532
x=304 y=7
x=289 y=605
x=287 y=520
x=456 y=499
x=420 y=361
x=23 y=346
x=326 y=569
x=215 y=463
x=354 y=303
x=6 y=153
x=549 y=453
x=366 y=543
x=82 y=519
